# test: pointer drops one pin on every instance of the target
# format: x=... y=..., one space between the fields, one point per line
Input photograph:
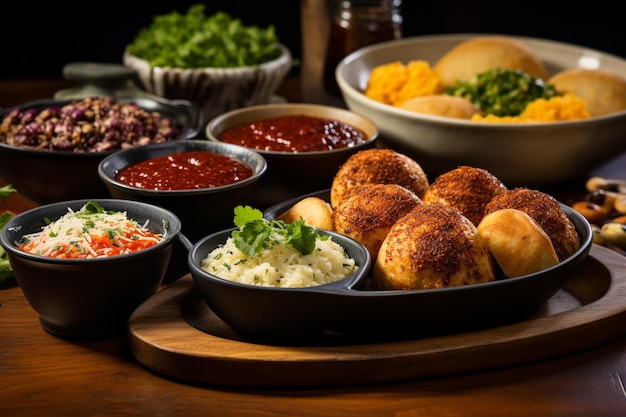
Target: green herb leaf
x=301 y=237
x=193 y=40
x=6 y=191
x=246 y=214
x=252 y=237
x=6 y=271
x=93 y=207
x=255 y=233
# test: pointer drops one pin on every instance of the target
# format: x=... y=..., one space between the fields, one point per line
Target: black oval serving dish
x=351 y=306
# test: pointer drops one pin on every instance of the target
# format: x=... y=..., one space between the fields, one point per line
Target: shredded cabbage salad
x=90 y=232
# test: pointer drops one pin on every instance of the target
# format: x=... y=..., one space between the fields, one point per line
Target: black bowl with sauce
x=202 y=211
x=293 y=172
x=48 y=176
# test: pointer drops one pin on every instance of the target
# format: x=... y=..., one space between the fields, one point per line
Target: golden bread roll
x=442 y=105
x=465 y=188
x=313 y=210
x=368 y=213
x=377 y=166
x=432 y=247
x=480 y=54
x=603 y=91
x=518 y=244
x=546 y=211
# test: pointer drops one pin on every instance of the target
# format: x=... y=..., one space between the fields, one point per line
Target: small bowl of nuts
x=50 y=149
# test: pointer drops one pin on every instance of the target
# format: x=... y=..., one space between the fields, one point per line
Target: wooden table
x=42 y=375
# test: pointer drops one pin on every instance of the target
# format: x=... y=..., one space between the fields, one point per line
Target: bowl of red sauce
x=304 y=144
x=198 y=180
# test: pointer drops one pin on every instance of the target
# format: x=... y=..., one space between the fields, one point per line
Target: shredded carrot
x=84 y=234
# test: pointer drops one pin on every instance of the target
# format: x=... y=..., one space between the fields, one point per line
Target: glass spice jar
x=355 y=24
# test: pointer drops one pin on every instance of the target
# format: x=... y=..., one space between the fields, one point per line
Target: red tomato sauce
x=294 y=134
x=185 y=171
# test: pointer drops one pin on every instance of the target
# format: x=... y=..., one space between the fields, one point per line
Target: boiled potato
x=313 y=210
x=482 y=53
x=442 y=105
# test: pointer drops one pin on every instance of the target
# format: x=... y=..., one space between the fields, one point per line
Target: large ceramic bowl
x=355 y=308
x=89 y=298
x=292 y=173
x=264 y=312
x=45 y=176
x=215 y=90
x=534 y=153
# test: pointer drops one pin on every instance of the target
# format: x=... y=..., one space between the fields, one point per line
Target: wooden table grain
x=42 y=375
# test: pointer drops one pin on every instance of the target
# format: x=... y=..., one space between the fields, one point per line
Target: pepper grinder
x=355 y=24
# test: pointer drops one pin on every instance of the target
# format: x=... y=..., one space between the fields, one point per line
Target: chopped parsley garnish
x=255 y=233
x=502 y=92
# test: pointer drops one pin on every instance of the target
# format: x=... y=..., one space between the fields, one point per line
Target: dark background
x=38 y=39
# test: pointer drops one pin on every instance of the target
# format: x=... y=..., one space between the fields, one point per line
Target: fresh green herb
x=502 y=92
x=6 y=191
x=6 y=271
x=111 y=233
x=255 y=233
x=93 y=207
x=194 y=40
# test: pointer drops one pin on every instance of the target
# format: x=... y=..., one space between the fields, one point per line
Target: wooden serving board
x=175 y=334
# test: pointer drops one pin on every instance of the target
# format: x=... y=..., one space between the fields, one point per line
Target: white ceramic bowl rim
x=442 y=120
x=284 y=109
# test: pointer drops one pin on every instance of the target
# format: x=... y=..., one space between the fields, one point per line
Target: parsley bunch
x=6 y=271
x=255 y=233
x=193 y=40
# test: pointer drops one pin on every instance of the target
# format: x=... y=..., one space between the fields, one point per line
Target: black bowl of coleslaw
x=50 y=149
x=89 y=288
